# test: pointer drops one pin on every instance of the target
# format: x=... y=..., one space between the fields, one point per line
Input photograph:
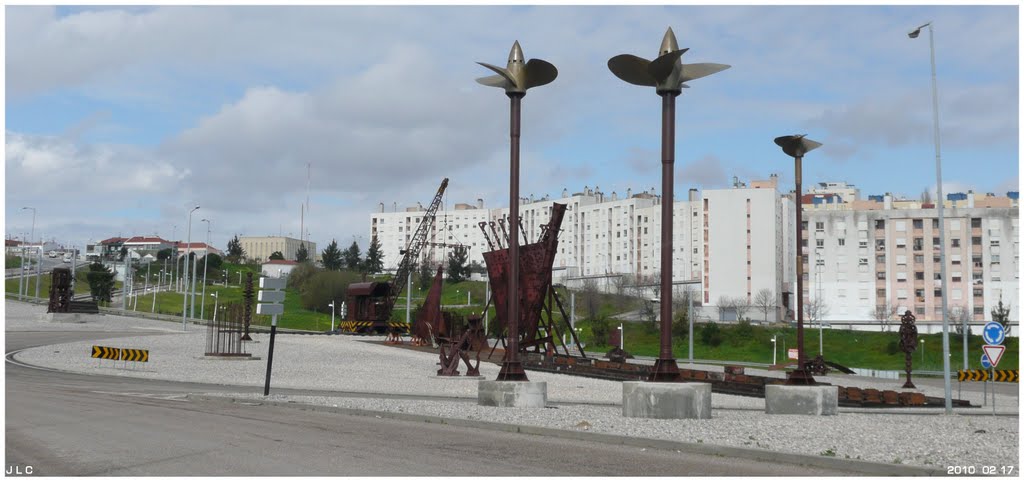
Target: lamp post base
x=665 y=370
x=512 y=371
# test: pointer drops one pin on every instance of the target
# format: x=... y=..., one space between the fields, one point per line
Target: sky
x=119 y=120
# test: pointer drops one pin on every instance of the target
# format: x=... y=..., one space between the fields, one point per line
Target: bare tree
x=765 y=301
x=959 y=315
x=883 y=313
x=741 y=306
x=816 y=309
x=725 y=304
x=591 y=299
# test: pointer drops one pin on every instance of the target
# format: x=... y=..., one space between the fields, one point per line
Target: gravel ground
x=343 y=363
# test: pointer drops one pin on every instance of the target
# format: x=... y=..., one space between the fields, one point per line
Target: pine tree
x=350 y=257
x=276 y=255
x=101 y=282
x=458 y=269
x=235 y=251
x=332 y=257
x=374 y=262
x=1002 y=315
x=302 y=255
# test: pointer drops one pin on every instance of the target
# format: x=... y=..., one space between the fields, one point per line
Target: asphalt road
x=69 y=424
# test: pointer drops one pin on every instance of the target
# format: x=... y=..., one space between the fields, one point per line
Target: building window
x=918 y=244
x=994 y=242
x=880 y=259
x=956 y=278
x=955 y=242
x=918 y=258
x=820 y=243
x=918 y=224
x=862 y=244
x=975 y=240
x=819 y=226
x=862 y=261
x=880 y=292
x=919 y=294
x=979 y=292
x=919 y=310
x=979 y=310
x=935 y=223
x=879 y=224
x=975 y=222
x=995 y=258
x=919 y=275
x=842 y=241
x=880 y=275
x=938 y=293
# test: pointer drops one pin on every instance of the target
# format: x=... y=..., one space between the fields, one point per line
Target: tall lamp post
x=942 y=227
x=774 y=351
x=206 y=262
x=667 y=75
x=331 y=306
x=517 y=76
x=39 y=260
x=188 y=244
x=796 y=146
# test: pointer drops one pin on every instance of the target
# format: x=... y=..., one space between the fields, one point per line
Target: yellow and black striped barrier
x=354 y=326
x=106 y=352
x=986 y=375
x=121 y=354
x=398 y=326
x=134 y=355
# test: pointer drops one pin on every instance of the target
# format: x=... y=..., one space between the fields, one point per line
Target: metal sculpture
x=429 y=322
x=908 y=343
x=796 y=146
x=454 y=348
x=667 y=75
x=223 y=337
x=247 y=297
x=60 y=291
x=517 y=76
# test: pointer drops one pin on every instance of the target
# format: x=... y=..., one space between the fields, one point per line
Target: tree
x=235 y=251
x=883 y=312
x=458 y=270
x=816 y=309
x=725 y=304
x=215 y=261
x=741 y=308
x=374 y=262
x=300 y=274
x=765 y=301
x=350 y=257
x=591 y=299
x=163 y=254
x=958 y=317
x=324 y=287
x=101 y=282
x=426 y=275
x=1002 y=315
x=276 y=255
x=124 y=252
x=332 y=257
x=302 y=254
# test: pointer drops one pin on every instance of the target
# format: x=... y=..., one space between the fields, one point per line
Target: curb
x=860 y=466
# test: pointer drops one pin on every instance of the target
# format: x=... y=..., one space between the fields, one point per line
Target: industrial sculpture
x=908 y=343
x=667 y=75
x=247 y=298
x=517 y=76
x=796 y=146
x=60 y=291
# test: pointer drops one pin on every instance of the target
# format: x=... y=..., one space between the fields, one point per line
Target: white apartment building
x=878 y=254
x=261 y=247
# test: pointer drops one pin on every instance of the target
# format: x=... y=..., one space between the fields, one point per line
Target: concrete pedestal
x=666 y=400
x=61 y=318
x=492 y=393
x=801 y=400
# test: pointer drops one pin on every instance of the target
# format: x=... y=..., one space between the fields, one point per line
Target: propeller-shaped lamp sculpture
x=667 y=75
x=518 y=76
x=796 y=146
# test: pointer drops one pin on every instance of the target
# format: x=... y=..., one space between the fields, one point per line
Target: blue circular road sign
x=984 y=362
x=993 y=333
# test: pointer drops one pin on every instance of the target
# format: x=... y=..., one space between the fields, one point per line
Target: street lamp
x=331 y=306
x=39 y=261
x=206 y=261
x=922 y=353
x=773 y=351
x=188 y=245
x=215 y=298
x=622 y=338
x=796 y=146
x=942 y=226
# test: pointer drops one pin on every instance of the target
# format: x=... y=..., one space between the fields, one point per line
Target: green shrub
x=324 y=287
x=742 y=333
x=599 y=330
x=300 y=275
x=893 y=347
x=711 y=334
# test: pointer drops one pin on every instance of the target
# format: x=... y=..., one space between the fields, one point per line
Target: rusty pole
x=800 y=376
x=511 y=367
x=665 y=368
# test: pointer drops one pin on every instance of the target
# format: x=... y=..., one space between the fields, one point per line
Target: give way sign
x=994 y=353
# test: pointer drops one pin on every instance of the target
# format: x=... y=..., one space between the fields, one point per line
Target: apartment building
x=261 y=247
x=885 y=253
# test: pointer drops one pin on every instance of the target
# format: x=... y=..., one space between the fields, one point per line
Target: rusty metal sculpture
x=429 y=322
x=796 y=146
x=455 y=348
x=908 y=343
x=536 y=294
x=247 y=300
x=223 y=337
x=667 y=75
x=60 y=291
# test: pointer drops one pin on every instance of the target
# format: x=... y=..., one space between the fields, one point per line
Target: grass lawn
x=854 y=349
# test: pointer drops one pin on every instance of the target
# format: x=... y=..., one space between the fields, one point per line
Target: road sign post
x=270 y=297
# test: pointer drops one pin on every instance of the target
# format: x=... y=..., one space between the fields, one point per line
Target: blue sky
x=118 y=118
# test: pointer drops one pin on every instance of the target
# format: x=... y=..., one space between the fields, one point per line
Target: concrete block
x=61 y=318
x=493 y=393
x=801 y=400
x=666 y=400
